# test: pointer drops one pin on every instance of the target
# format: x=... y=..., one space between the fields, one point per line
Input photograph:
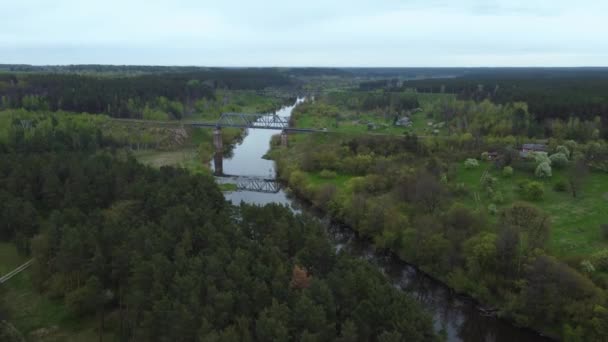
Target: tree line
x=127 y=97
x=159 y=255
x=402 y=193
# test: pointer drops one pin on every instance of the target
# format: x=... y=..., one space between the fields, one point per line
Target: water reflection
x=453 y=316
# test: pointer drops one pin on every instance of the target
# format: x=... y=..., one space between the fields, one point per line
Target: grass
x=339 y=181
x=31 y=312
x=9 y=258
x=187 y=158
x=227 y=186
x=575 y=221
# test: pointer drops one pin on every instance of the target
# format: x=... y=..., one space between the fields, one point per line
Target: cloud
x=307 y=33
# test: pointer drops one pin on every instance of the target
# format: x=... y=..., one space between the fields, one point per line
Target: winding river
x=456 y=317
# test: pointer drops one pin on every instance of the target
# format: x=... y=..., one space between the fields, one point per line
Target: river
x=457 y=317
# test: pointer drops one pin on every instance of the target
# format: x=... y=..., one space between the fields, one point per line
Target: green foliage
x=600 y=260
x=498 y=197
x=166 y=259
x=8 y=333
x=492 y=209
x=507 y=171
x=560 y=185
x=559 y=160
x=327 y=174
x=533 y=191
x=471 y=163
x=563 y=149
x=543 y=170
x=604 y=231
x=541 y=157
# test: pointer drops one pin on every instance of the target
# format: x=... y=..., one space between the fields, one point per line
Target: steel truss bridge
x=237 y=120
x=254 y=184
x=262 y=121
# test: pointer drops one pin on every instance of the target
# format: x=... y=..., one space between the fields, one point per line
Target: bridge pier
x=217 y=139
x=218 y=164
x=284 y=138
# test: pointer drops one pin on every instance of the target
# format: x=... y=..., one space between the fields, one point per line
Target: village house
x=526 y=149
x=404 y=121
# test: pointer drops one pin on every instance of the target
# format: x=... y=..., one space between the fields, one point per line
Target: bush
x=587 y=266
x=604 y=230
x=533 y=191
x=559 y=160
x=560 y=186
x=563 y=149
x=327 y=174
x=543 y=170
x=460 y=189
x=498 y=197
x=471 y=163
x=485 y=156
x=507 y=171
x=600 y=260
x=492 y=209
x=541 y=157
x=489 y=181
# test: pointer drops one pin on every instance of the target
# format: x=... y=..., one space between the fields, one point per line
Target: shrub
x=587 y=266
x=604 y=230
x=460 y=189
x=498 y=197
x=327 y=174
x=559 y=160
x=471 y=163
x=600 y=260
x=489 y=181
x=560 y=186
x=533 y=191
x=541 y=157
x=492 y=209
x=543 y=170
x=485 y=156
x=507 y=171
x=571 y=145
x=563 y=149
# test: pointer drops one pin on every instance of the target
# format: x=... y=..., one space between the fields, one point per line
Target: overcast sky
x=306 y=33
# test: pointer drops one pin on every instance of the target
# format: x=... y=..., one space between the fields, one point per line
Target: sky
x=357 y=33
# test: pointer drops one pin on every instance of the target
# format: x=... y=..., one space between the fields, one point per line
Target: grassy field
x=349 y=121
x=186 y=158
x=575 y=221
x=316 y=180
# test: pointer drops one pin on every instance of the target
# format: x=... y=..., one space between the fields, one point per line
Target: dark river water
x=457 y=317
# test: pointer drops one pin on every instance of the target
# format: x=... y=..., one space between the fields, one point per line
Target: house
x=492 y=155
x=526 y=149
x=404 y=121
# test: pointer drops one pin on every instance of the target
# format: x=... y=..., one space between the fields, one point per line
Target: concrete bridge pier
x=284 y=138
x=217 y=139
x=218 y=164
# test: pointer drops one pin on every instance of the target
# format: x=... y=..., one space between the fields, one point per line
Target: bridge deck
x=221 y=125
x=254 y=184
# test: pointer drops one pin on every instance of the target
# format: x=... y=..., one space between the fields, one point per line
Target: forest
x=526 y=233
x=146 y=254
x=123 y=96
x=548 y=93
x=493 y=182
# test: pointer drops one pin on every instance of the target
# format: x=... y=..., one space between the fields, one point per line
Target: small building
x=526 y=149
x=492 y=155
x=404 y=121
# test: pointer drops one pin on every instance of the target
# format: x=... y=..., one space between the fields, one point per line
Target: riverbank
x=453 y=315
x=386 y=203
